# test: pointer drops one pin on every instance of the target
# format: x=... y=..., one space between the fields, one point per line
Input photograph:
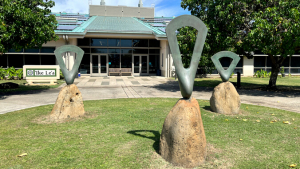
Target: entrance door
x=140 y=65
x=99 y=65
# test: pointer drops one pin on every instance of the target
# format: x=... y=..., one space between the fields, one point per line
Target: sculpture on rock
x=182 y=140
x=69 y=103
x=69 y=75
x=225 y=99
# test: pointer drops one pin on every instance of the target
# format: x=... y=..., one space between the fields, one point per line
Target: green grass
x=289 y=83
x=124 y=133
x=23 y=87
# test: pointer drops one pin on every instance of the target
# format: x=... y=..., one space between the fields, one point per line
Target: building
x=122 y=37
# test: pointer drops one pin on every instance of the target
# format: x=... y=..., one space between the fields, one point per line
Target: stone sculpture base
x=182 y=140
x=225 y=99
x=69 y=104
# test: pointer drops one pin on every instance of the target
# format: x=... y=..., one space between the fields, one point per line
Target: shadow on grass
x=249 y=89
x=155 y=138
x=27 y=90
x=207 y=108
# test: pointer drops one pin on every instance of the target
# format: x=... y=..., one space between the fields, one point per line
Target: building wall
x=163 y=57
x=248 y=66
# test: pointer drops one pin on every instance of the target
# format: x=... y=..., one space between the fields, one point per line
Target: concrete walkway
x=97 y=88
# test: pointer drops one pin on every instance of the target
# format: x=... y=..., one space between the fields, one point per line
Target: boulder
x=225 y=99
x=69 y=104
x=182 y=140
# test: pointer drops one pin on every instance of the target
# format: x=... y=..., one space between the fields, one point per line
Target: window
x=47 y=49
x=140 y=51
x=83 y=42
x=114 y=42
x=126 y=42
x=154 y=43
x=98 y=50
x=86 y=50
x=32 y=59
x=48 y=60
x=98 y=42
x=126 y=61
x=3 y=61
x=140 y=43
x=154 y=51
x=15 y=61
x=33 y=50
x=259 y=61
x=114 y=60
x=113 y=50
x=84 y=67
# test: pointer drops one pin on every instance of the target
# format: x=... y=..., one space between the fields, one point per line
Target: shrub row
x=10 y=73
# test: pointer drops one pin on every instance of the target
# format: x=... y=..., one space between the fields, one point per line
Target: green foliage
x=272 y=27
x=2 y=73
x=186 y=41
x=23 y=24
x=11 y=72
x=61 y=75
x=231 y=75
x=262 y=74
x=282 y=70
x=19 y=73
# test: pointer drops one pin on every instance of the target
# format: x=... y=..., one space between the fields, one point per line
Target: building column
x=248 y=67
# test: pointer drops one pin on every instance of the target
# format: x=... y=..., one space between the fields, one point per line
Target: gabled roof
x=109 y=24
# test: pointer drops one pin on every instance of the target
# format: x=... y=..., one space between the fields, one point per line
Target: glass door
x=95 y=65
x=103 y=65
x=140 y=65
x=144 y=65
x=99 y=65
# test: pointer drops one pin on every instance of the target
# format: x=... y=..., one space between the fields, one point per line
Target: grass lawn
x=124 y=133
x=23 y=87
x=288 y=83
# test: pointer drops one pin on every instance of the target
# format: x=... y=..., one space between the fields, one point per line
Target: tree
x=186 y=40
x=244 y=26
x=25 y=24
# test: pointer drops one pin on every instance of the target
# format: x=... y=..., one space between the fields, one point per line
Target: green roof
x=81 y=29
x=118 y=25
x=109 y=24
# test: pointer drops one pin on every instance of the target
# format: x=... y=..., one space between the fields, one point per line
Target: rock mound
x=225 y=99
x=182 y=140
x=69 y=104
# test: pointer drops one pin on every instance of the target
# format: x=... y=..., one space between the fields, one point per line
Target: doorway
x=99 y=64
x=140 y=65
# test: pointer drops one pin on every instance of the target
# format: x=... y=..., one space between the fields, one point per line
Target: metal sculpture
x=225 y=74
x=186 y=76
x=69 y=75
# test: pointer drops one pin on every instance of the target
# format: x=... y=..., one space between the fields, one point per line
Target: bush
x=262 y=74
x=2 y=73
x=19 y=73
x=61 y=75
x=11 y=72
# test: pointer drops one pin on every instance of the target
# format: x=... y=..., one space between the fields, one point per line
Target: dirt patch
x=46 y=119
x=213 y=160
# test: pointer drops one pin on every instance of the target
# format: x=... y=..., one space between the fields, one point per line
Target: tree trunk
x=273 y=77
x=276 y=63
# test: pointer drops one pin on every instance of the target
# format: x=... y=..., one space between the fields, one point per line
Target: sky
x=166 y=8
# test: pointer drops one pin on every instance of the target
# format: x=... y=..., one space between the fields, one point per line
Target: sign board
x=41 y=73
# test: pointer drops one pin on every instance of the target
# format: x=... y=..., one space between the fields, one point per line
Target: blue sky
x=166 y=8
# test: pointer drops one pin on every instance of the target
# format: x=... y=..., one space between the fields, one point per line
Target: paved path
x=141 y=87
